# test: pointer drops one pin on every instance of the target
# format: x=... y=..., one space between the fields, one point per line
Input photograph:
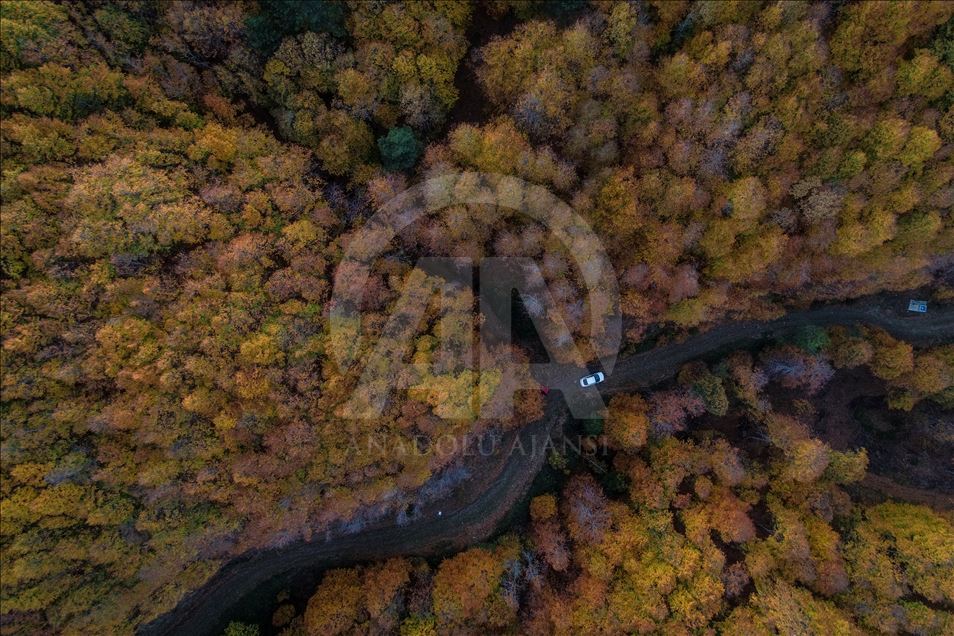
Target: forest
x=741 y=522
x=181 y=179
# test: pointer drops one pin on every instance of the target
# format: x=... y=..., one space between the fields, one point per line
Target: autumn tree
x=627 y=424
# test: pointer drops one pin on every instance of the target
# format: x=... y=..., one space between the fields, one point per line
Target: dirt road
x=472 y=512
x=888 y=311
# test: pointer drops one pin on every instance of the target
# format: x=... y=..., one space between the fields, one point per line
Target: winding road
x=473 y=512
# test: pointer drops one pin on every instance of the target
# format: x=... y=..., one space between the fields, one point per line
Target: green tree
x=399 y=149
x=812 y=339
x=709 y=387
x=240 y=629
x=280 y=18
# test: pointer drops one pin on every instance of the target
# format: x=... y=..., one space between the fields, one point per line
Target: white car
x=917 y=306
x=590 y=380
